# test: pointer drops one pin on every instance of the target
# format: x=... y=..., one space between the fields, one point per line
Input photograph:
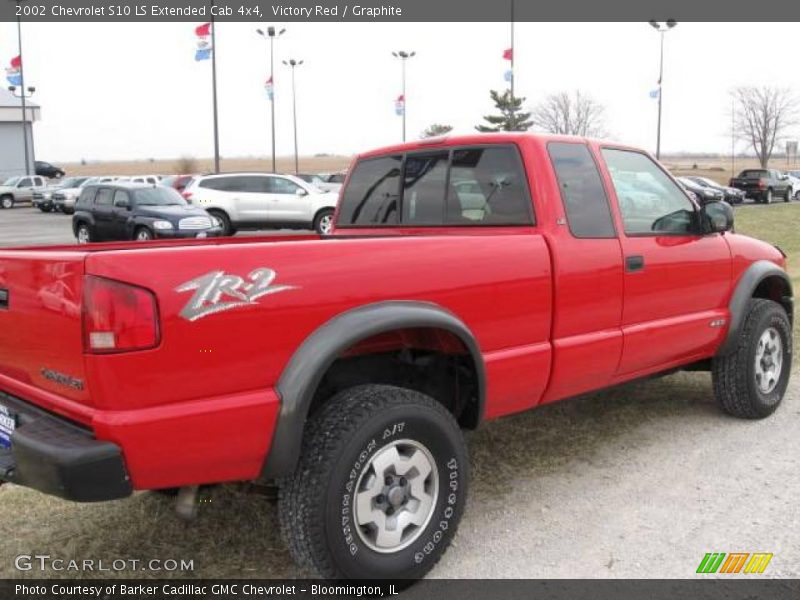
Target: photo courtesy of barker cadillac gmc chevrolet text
x=465 y=278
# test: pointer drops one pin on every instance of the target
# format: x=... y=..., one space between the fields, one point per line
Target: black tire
x=324 y=216
x=768 y=197
x=46 y=209
x=317 y=505
x=224 y=219
x=787 y=197
x=142 y=234
x=735 y=381
x=7 y=201
x=68 y=211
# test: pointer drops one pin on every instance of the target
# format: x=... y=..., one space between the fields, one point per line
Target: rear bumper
x=56 y=457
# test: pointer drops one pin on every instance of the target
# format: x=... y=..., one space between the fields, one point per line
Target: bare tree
x=571 y=113
x=761 y=117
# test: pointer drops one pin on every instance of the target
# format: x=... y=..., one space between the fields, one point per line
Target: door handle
x=634 y=263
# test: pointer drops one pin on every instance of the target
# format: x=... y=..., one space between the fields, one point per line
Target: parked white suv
x=262 y=201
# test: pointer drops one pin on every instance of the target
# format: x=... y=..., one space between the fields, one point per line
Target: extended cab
x=764 y=185
x=466 y=278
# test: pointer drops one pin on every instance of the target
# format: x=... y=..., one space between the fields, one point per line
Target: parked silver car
x=64 y=198
x=43 y=199
x=263 y=201
x=320 y=183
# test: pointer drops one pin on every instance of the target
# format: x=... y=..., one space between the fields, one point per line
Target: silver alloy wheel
x=83 y=235
x=395 y=496
x=8 y=202
x=768 y=199
x=143 y=235
x=326 y=224
x=769 y=360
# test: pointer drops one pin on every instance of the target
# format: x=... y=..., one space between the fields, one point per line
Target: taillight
x=118 y=317
x=762 y=183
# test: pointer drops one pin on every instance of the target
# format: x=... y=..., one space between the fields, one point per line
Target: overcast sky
x=125 y=90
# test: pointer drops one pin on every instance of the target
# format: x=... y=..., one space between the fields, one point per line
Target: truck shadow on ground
x=236 y=534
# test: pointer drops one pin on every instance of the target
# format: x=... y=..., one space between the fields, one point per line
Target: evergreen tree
x=511 y=117
x=436 y=129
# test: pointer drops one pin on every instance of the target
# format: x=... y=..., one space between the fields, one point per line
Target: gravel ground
x=639 y=481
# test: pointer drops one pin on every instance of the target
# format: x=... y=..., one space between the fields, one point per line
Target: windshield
x=11 y=181
x=72 y=182
x=159 y=196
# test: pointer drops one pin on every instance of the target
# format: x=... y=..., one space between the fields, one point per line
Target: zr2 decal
x=218 y=291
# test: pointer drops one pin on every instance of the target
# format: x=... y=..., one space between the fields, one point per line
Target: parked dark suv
x=126 y=211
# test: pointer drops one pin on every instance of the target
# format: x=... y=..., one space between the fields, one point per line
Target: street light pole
x=403 y=56
x=662 y=28
x=271 y=35
x=294 y=63
x=214 y=90
x=22 y=95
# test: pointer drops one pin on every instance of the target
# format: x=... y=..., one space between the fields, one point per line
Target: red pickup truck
x=467 y=278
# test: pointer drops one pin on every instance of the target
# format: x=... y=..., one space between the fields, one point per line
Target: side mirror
x=717 y=217
x=301 y=192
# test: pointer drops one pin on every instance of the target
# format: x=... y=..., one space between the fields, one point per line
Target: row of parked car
x=199 y=206
x=762 y=185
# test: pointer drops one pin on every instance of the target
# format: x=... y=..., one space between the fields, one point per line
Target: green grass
x=777 y=224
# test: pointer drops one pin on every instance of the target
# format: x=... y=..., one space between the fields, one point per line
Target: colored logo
x=734 y=562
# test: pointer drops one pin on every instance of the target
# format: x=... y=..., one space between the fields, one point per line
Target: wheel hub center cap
x=396 y=496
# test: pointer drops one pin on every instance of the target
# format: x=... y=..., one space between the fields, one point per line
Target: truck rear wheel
x=380 y=486
x=750 y=382
x=788 y=196
x=7 y=202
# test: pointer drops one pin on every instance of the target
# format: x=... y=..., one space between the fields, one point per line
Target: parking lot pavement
x=26 y=226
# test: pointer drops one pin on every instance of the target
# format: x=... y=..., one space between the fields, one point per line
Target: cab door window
x=649 y=201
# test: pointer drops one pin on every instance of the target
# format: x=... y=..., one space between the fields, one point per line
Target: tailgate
x=40 y=321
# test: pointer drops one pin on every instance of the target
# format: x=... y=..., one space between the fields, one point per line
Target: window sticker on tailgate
x=218 y=291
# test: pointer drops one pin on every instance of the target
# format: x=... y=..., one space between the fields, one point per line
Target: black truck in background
x=764 y=185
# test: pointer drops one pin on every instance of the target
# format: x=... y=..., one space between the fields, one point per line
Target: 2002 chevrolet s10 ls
x=467 y=278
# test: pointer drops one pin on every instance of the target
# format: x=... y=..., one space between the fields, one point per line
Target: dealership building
x=12 y=147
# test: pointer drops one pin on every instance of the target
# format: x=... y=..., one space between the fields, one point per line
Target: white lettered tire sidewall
x=351 y=553
x=315 y=506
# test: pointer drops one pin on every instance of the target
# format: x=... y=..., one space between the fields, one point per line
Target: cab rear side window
x=373 y=192
x=481 y=185
x=582 y=191
x=487 y=186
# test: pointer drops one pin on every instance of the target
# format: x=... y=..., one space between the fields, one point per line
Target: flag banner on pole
x=400 y=105
x=654 y=93
x=509 y=75
x=204 y=49
x=508 y=54
x=270 y=89
x=14 y=72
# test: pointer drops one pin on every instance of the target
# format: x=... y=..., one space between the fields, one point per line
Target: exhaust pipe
x=186 y=503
